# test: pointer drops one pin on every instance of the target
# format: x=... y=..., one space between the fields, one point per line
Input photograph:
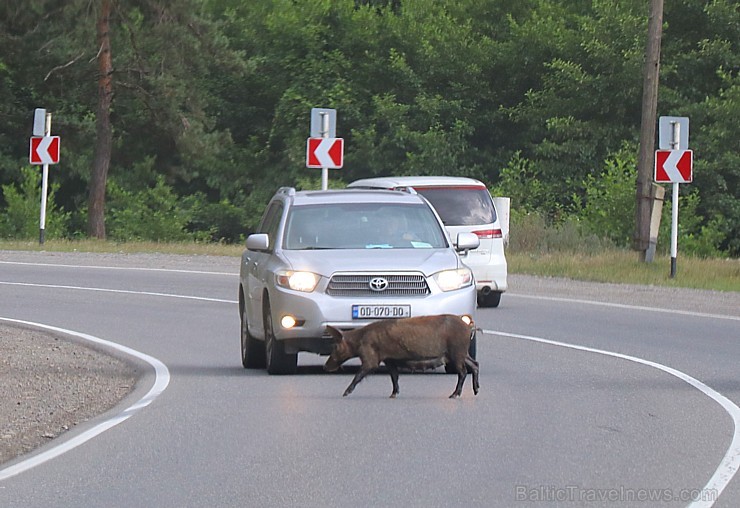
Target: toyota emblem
x=378 y=284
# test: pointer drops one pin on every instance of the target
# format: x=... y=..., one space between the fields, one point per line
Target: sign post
x=44 y=150
x=674 y=164
x=323 y=125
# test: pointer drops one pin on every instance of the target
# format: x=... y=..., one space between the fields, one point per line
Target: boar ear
x=335 y=333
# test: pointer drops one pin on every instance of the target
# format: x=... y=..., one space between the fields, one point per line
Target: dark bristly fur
x=417 y=343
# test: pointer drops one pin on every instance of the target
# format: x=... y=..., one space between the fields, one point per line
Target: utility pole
x=647 y=129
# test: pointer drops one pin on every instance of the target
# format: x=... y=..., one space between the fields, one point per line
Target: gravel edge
x=50 y=384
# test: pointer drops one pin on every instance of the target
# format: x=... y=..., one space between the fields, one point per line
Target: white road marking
x=730 y=462
x=627 y=307
x=162 y=379
x=122 y=291
x=170 y=270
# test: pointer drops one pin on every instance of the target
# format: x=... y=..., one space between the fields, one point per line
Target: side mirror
x=466 y=242
x=258 y=241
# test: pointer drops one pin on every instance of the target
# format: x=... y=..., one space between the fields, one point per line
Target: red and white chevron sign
x=325 y=153
x=674 y=166
x=44 y=150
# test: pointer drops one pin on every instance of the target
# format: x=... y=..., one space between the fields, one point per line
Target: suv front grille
x=359 y=285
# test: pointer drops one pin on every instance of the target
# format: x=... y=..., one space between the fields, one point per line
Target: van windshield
x=461 y=206
x=362 y=226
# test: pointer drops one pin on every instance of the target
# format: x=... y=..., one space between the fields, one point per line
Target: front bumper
x=314 y=311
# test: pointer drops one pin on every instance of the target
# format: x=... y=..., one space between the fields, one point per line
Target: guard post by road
x=43 y=150
x=323 y=149
x=674 y=164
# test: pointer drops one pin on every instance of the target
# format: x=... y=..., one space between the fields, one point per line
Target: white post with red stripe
x=43 y=150
x=674 y=164
x=674 y=209
x=324 y=134
x=42 y=123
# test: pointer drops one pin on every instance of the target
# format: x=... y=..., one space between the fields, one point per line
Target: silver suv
x=344 y=258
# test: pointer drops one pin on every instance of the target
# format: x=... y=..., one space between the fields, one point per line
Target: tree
x=104 y=134
x=212 y=98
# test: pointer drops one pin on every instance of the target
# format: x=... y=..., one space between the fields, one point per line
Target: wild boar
x=418 y=342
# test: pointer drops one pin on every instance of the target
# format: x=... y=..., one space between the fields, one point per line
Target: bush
x=694 y=238
x=519 y=181
x=531 y=233
x=609 y=207
x=216 y=222
x=152 y=214
x=21 y=219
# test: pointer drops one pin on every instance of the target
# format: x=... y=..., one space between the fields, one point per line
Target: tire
x=277 y=360
x=492 y=299
x=253 y=350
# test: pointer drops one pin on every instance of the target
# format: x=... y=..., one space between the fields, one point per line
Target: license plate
x=380 y=311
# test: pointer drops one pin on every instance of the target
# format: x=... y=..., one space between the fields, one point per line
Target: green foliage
x=212 y=101
x=609 y=209
x=695 y=237
x=309 y=182
x=215 y=222
x=520 y=181
x=21 y=219
x=152 y=214
x=533 y=234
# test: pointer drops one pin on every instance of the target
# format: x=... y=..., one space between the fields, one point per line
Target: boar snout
x=331 y=365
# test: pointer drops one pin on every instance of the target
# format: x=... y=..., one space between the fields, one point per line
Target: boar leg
x=393 y=371
x=364 y=371
x=462 y=373
x=472 y=365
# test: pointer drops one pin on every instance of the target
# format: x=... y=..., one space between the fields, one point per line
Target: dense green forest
x=211 y=103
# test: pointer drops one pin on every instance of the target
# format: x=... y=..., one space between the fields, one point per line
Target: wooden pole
x=647 y=128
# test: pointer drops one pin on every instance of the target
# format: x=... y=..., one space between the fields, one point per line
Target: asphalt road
x=591 y=395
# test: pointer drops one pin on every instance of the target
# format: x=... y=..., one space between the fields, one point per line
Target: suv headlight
x=449 y=280
x=297 y=281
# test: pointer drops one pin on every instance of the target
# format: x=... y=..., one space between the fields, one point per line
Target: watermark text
x=580 y=494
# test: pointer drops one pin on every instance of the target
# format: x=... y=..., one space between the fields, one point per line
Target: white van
x=464 y=205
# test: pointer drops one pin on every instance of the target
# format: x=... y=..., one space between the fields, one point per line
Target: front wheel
x=253 y=350
x=276 y=359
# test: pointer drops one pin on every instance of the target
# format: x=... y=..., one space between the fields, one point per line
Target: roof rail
x=288 y=191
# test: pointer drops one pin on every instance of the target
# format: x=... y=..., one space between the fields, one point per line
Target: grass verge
x=104 y=246
x=624 y=267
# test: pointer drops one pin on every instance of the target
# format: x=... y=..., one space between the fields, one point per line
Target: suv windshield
x=460 y=206
x=362 y=226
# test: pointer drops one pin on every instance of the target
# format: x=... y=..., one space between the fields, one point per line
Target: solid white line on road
x=171 y=270
x=122 y=291
x=730 y=462
x=162 y=379
x=625 y=306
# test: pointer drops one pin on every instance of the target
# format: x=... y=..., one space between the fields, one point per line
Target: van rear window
x=461 y=206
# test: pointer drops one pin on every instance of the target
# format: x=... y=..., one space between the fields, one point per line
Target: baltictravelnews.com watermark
x=580 y=494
